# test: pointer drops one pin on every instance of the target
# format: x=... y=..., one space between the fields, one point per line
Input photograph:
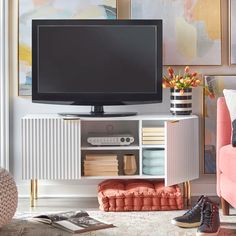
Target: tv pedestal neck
x=98 y=111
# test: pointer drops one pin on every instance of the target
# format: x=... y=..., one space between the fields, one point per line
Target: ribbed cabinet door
x=182 y=151
x=51 y=148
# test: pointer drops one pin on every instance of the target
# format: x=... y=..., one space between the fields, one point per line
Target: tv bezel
x=96 y=99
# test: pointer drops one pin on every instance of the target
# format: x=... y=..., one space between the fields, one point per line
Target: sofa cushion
x=138 y=195
x=227 y=161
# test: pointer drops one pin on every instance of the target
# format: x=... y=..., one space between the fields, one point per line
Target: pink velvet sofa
x=226 y=158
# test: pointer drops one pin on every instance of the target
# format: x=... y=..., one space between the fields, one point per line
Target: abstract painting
x=192 y=29
x=232 y=32
x=53 y=9
x=216 y=84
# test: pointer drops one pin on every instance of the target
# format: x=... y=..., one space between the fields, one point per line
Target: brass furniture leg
x=33 y=191
x=189 y=194
x=185 y=193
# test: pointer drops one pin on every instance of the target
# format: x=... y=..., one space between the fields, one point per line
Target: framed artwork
x=191 y=36
x=216 y=84
x=52 y=9
x=232 y=37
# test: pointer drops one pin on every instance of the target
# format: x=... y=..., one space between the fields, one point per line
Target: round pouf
x=8 y=197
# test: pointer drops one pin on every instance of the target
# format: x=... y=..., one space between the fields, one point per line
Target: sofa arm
x=224 y=127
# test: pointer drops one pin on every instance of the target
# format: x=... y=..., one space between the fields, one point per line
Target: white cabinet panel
x=182 y=151
x=51 y=148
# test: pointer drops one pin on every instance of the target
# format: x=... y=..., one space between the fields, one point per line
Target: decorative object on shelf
x=153 y=136
x=154 y=162
x=216 y=85
x=73 y=9
x=138 y=195
x=8 y=197
x=130 y=166
x=181 y=90
x=191 y=35
x=181 y=101
x=110 y=140
x=232 y=31
x=101 y=165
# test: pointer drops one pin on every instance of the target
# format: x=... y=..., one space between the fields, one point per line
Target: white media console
x=54 y=147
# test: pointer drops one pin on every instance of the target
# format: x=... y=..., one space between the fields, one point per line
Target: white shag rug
x=127 y=224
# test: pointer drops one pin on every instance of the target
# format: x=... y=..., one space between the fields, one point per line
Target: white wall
x=20 y=106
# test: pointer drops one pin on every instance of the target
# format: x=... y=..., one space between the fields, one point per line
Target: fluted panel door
x=50 y=148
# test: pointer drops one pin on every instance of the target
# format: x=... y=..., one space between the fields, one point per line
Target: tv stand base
x=98 y=111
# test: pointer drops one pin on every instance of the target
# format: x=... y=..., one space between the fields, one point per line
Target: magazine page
x=73 y=221
x=81 y=224
x=50 y=218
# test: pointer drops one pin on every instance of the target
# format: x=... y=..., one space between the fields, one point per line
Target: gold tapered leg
x=189 y=194
x=185 y=193
x=33 y=191
x=36 y=189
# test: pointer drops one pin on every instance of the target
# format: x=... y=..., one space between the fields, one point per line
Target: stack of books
x=153 y=136
x=101 y=165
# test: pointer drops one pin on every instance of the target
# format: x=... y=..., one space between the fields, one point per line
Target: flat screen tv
x=97 y=62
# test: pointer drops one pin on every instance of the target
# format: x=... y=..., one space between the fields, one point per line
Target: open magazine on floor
x=73 y=221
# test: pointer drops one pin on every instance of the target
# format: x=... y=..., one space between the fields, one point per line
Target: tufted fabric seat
x=138 y=195
x=8 y=197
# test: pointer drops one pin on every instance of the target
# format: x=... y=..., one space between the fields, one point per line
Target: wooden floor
x=57 y=204
x=64 y=204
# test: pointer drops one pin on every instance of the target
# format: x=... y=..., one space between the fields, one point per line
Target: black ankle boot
x=210 y=220
x=192 y=217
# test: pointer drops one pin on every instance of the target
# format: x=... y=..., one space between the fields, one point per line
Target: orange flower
x=186 y=69
x=170 y=70
x=184 y=81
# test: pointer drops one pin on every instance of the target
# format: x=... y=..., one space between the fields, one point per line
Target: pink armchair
x=226 y=158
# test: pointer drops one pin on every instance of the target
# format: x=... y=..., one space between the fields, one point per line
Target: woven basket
x=8 y=197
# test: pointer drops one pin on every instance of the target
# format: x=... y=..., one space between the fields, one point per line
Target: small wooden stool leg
x=225 y=206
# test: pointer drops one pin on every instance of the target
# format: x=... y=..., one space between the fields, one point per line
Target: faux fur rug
x=127 y=224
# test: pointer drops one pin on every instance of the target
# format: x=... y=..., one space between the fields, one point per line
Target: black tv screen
x=97 y=62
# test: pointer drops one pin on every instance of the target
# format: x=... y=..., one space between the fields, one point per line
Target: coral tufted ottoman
x=8 y=197
x=138 y=195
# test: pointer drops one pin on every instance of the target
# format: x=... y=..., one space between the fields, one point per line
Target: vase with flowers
x=181 y=90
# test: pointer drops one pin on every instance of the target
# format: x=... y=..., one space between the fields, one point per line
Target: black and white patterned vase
x=181 y=104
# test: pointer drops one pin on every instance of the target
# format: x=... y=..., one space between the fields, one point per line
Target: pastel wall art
x=192 y=29
x=232 y=15
x=53 y=9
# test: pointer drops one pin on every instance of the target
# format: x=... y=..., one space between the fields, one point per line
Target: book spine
x=154 y=142
x=153 y=129
x=101 y=162
x=100 y=158
x=100 y=168
x=161 y=134
x=110 y=173
x=153 y=138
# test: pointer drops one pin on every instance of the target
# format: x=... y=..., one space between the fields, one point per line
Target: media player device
x=111 y=140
